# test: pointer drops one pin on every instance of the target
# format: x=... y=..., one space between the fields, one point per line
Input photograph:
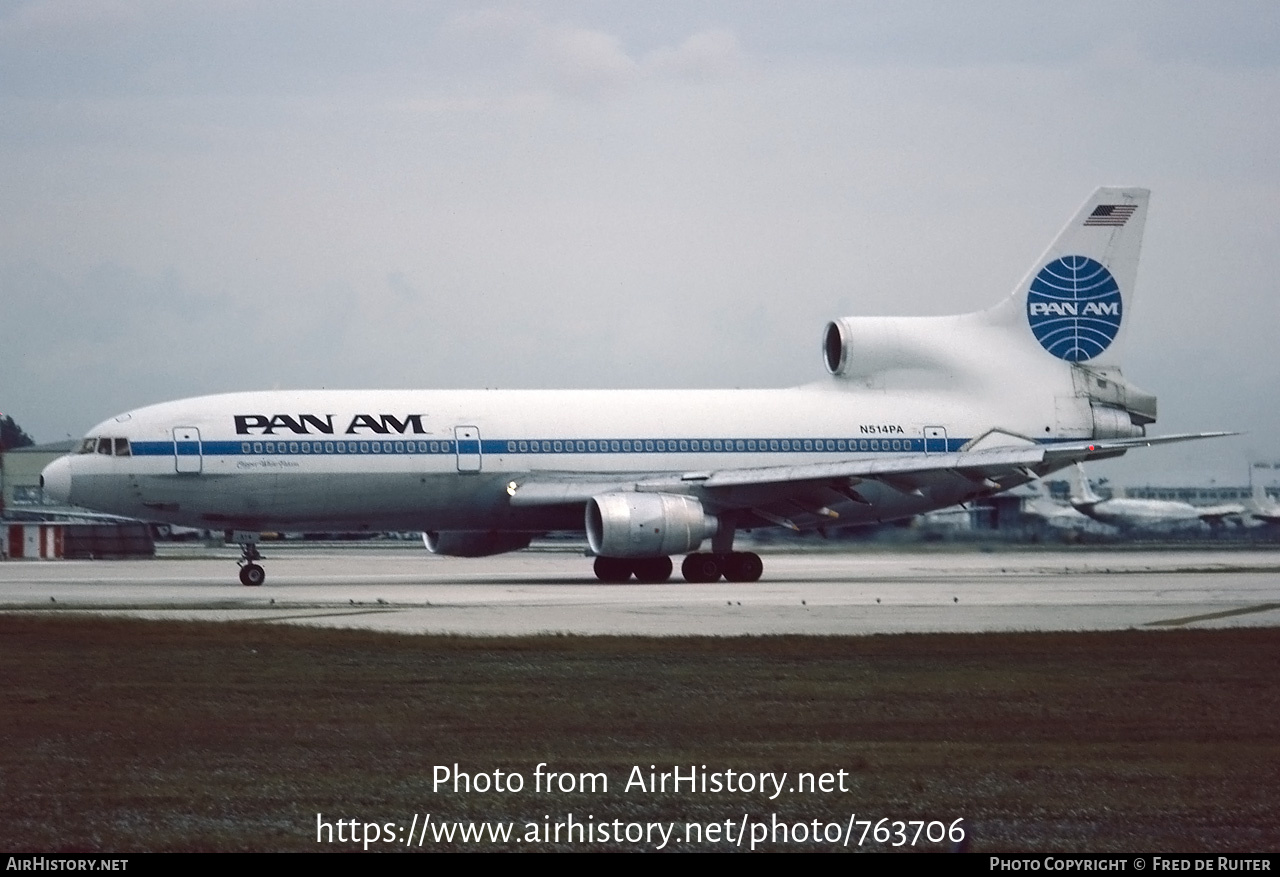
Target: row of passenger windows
x=674 y=445
x=110 y=447
x=119 y=447
x=346 y=447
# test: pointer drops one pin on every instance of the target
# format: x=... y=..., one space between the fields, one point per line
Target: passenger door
x=467 y=444
x=188 y=456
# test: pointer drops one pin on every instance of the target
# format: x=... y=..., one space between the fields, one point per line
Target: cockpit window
x=118 y=447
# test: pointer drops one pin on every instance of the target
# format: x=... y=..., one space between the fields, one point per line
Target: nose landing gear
x=252 y=574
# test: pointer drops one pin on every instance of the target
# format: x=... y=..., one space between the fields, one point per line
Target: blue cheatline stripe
x=540 y=447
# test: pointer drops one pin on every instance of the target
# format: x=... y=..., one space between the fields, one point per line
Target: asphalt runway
x=406 y=590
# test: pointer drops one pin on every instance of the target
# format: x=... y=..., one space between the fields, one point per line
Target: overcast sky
x=200 y=197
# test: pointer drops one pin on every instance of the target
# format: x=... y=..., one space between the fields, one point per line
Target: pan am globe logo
x=1074 y=308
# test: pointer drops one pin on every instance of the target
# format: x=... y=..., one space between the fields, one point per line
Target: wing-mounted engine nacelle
x=474 y=543
x=646 y=524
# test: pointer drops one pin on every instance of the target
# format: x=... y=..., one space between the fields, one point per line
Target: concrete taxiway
x=410 y=591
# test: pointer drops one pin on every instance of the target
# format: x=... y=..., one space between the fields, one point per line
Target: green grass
x=127 y=735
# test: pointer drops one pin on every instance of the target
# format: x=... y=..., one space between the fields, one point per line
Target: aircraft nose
x=56 y=480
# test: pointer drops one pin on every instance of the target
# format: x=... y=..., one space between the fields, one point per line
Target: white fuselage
x=425 y=460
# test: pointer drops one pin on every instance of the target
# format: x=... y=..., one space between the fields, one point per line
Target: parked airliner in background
x=1148 y=514
x=917 y=413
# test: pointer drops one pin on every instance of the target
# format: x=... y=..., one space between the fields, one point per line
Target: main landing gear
x=733 y=566
x=700 y=567
x=616 y=570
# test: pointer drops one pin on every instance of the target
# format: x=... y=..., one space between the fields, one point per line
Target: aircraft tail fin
x=1081 y=493
x=1262 y=507
x=1258 y=486
x=1078 y=297
x=1057 y=337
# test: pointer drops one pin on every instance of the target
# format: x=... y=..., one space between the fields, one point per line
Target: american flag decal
x=1110 y=214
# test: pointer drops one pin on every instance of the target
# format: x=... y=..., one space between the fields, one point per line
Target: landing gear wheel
x=699 y=568
x=251 y=574
x=743 y=566
x=612 y=570
x=652 y=570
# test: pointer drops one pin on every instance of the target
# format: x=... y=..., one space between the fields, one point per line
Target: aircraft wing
x=808 y=495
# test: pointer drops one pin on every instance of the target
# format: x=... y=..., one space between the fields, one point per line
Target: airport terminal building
x=32 y=527
x=20 y=470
